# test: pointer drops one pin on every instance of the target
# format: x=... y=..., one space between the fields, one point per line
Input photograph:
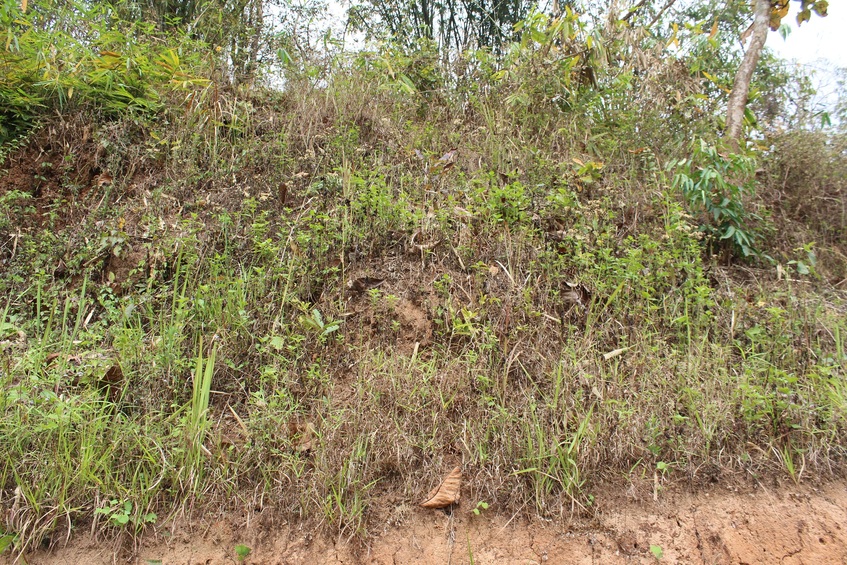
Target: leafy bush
x=715 y=184
x=93 y=60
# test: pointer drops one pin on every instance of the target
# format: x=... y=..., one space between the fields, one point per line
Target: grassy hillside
x=318 y=299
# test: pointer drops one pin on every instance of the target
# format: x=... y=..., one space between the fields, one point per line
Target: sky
x=816 y=39
x=819 y=45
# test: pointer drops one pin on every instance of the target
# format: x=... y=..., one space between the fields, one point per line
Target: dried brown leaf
x=445 y=162
x=295 y=249
x=112 y=382
x=614 y=353
x=571 y=297
x=448 y=158
x=302 y=434
x=114 y=375
x=426 y=246
x=307 y=437
x=104 y=179
x=364 y=283
x=447 y=493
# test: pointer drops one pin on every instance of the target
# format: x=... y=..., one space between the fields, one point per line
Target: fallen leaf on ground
x=104 y=179
x=447 y=493
x=448 y=158
x=303 y=433
x=306 y=438
x=114 y=375
x=426 y=246
x=614 y=353
x=364 y=283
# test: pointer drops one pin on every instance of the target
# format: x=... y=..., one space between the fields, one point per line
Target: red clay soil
x=777 y=524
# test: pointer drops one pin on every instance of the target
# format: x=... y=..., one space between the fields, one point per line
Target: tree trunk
x=741 y=86
x=255 y=27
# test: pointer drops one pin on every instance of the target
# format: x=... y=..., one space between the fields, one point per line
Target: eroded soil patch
x=777 y=524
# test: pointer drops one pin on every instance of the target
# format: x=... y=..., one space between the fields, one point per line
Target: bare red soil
x=776 y=524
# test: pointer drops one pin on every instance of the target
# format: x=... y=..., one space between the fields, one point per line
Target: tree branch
x=634 y=10
x=664 y=9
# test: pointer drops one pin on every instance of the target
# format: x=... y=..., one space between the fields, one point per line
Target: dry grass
x=551 y=328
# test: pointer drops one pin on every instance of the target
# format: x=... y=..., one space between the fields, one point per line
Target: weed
x=479 y=508
x=7 y=541
x=242 y=552
x=657 y=551
x=122 y=515
x=197 y=418
x=314 y=322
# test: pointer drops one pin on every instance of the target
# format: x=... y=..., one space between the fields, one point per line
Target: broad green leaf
x=6 y=542
x=120 y=519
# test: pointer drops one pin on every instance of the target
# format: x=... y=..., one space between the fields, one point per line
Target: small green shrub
x=242 y=552
x=715 y=185
x=122 y=515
